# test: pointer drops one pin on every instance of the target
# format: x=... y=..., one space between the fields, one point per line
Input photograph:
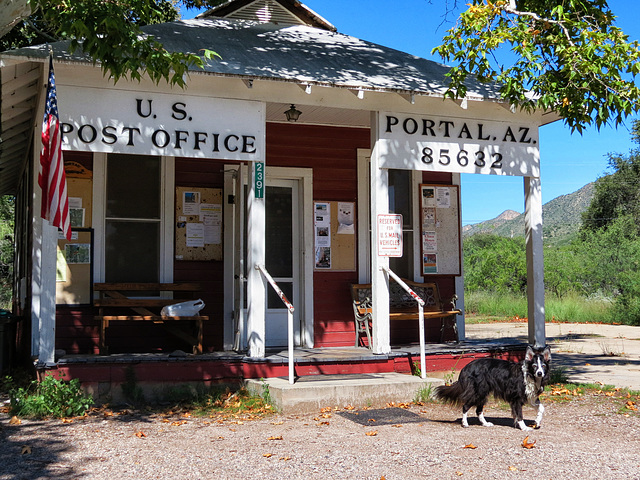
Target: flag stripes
x=51 y=176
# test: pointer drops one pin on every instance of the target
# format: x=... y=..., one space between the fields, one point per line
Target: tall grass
x=569 y=308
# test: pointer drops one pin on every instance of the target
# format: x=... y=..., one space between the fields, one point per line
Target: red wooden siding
x=332 y=154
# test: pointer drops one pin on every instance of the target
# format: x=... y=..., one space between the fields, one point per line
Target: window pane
x=132 y=250
x=400 y=201
x=400 y=195
x=133 y=186
x=279 y=231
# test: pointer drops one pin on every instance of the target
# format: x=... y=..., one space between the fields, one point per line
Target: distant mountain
x=561 y=218
x=490 y=226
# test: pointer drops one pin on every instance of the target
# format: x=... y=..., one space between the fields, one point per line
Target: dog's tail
x=450 y=393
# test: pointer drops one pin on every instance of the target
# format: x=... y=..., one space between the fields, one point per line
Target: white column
x=43 y=280
x=256 y=284
x=535 y=263
x=379 y=280
x=459 y=281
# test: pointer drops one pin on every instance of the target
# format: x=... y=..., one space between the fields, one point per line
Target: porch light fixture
x=292 y=114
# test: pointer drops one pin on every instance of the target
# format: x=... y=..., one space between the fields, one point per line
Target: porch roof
x=249 y=50
x=294 y=53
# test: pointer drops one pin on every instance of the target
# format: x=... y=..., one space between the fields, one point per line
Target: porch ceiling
x=316 y=115
x=19 y=100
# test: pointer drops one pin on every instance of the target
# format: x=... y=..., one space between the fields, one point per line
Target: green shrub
x=51 y=397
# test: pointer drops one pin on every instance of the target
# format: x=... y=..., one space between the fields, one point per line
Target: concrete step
x=312 y=393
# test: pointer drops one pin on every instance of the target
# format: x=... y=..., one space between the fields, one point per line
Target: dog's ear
x=546 y=353
x=528 y=356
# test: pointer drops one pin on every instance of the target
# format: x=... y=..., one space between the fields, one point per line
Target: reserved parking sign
x=390 y=235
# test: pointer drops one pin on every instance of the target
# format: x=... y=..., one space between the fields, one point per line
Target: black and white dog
x=515 y=383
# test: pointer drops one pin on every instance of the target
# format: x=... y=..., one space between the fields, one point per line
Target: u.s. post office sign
x=122 y=121
x=450 y=144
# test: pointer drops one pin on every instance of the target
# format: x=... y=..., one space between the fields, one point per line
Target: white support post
x=256 y=284
x=43 y=275
x=535 y=263
x=47 y=349
x=379 y=279
x=459 y=282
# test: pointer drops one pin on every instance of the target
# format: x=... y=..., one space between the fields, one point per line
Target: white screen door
x=282 y=260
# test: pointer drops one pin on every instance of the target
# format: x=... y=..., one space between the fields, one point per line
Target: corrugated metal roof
x=295 y=53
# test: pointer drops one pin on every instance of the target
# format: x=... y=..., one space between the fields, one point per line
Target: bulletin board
x=74 y=268
x=334 y=236
x=440 y=229
x=198 y=226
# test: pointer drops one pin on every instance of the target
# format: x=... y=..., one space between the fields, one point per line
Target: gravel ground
x=583 y=438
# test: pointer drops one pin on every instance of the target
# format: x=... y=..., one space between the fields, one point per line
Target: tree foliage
x=495 y=264
x=110 y=32
x=618 y=193
x=565 y=56
x=7 y=208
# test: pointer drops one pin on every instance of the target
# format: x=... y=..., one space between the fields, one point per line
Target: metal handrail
x=420 y=301
x=290 y=310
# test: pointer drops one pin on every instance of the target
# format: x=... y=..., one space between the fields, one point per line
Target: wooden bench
x=402 y=306
x=116 y=297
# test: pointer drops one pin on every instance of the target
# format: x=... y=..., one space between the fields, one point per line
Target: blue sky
x=568 y=161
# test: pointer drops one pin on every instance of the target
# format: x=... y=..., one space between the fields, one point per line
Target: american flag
x=51 y=177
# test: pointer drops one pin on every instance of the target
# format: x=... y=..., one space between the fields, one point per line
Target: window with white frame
x=134 y=217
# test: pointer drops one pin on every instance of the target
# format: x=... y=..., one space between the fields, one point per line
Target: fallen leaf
x=371 y=420
x=471 y=445
x=107 y=413
x=285 y=458
x=279 y=437
x=349 y=407
x=322 y=423
x=527 y=444
x=178 y=423
x=140 y=434
x=267 y=455
x=631 y=405
x=325 y=410
x=372 y=433
x=15 y=421
x=513 y=469
x=277 y=423
x=67 y=420
x=587 y=364
x=459 y=474
x=25 y=450
x=397 y=425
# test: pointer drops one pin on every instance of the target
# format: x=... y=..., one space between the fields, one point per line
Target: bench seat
x=112 y=296
x=402 y=306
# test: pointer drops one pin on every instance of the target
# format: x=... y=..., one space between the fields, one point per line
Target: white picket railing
x=420 y=301
x=290 y=310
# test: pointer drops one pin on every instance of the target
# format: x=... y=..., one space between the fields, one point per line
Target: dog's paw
x=523 y=426
x=487 y=424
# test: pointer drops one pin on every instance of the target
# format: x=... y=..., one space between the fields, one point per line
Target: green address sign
x=259 y=180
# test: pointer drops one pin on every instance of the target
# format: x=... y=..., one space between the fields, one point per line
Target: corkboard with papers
x=440 y=229
x=198 y=223
x=335 y=239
